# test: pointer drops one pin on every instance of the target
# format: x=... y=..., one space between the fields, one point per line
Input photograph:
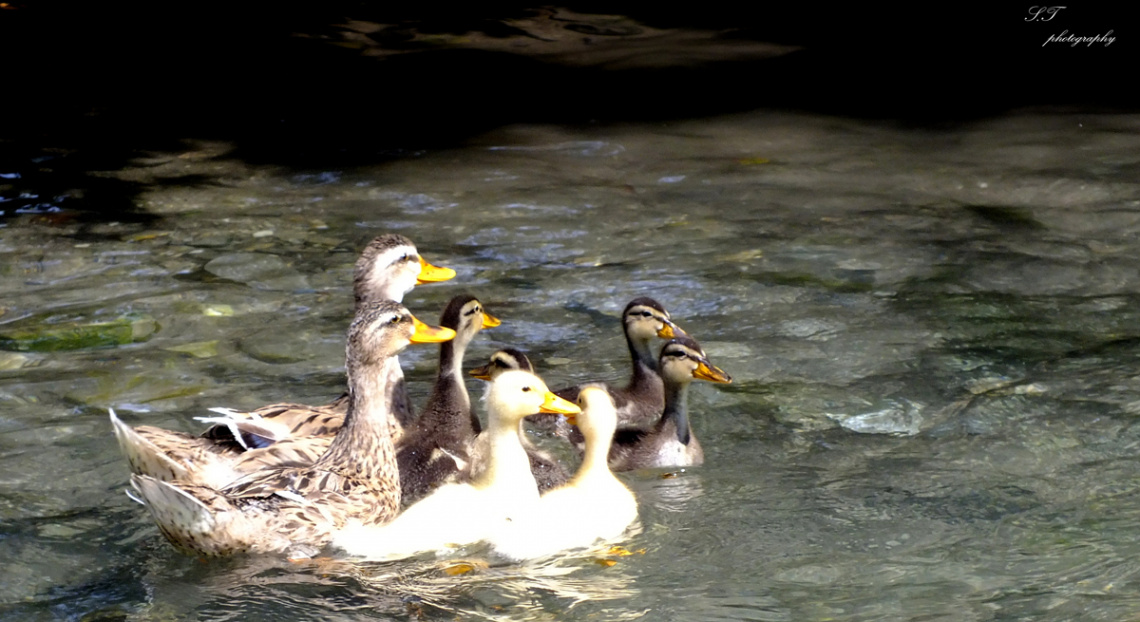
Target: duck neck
x=677 y=410
x=368 y=288
x=595 y=458
x=450 y=391
x=363 y=446
x=641 y=354
x=400 y=409
x=644 y=380
x=506 y=460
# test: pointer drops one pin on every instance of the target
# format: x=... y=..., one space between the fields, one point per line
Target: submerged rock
x=126 y=329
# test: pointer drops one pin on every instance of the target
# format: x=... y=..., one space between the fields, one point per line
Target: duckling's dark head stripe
x=451 y=316
x=386 y=242
x=510 y=358
x=686 y=343
x=645 y=301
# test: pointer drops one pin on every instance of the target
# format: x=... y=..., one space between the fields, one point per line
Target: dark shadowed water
x=933 y=335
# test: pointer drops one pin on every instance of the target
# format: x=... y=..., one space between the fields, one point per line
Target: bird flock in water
x=369 y=478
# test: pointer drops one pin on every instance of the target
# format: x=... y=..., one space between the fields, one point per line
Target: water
x=932 y=334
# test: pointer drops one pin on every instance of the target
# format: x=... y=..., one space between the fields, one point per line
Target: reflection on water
x=932 y=335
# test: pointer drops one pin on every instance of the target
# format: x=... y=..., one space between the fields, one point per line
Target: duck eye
x=526 y=389
x=395 y=320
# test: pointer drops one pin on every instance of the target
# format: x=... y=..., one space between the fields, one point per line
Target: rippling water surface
x=933 y=335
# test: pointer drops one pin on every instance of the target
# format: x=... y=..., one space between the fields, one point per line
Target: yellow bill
x=490 y=321
x=482 y=373
x=710 y=372
x=555 y=404
x=431 y=334
x=433 y=274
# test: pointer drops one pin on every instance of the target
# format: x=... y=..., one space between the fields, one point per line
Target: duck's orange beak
x=431 y=334
x=433 y=274
x=669 y=330
x=482 y=373
x=555 y=404
x=490 y=321
x=710 y=372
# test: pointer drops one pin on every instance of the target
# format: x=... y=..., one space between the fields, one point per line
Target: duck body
x=670 y=442
x=435 y=446
x=296 y=509
x=463 y=513
x=594 y=505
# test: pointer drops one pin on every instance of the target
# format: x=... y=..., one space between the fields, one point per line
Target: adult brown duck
x=240 y=443
x=296 y=509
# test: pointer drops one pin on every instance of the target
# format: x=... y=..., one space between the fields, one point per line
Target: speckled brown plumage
x=295 y=509
x=284 y=434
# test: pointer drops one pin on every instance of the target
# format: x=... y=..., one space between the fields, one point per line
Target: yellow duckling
x=459 y=514
x=296 y=509
x=548 y=472
x=594 y=505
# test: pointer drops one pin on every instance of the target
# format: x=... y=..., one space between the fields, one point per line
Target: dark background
x=87 y=85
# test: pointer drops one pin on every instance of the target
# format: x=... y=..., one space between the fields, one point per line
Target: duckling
x=548 y=472
x=501 y=361
x=593 y=506
x=640 y=402
x=459 y=514
x=435 y=446
x=296 y=509
x=670 y=442
x=240 y=443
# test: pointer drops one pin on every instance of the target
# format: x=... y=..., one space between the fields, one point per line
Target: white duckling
x=594 y=505
x=459 y=514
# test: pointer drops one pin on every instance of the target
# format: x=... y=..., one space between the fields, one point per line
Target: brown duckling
x=434 y=447
x=670 y=442
x=640 y=402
